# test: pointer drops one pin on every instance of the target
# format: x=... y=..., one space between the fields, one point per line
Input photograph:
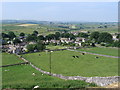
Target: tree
x=40 y=46
x=118 y=36
x=11 y=35
x=57 y=35
x=35 y=32
x=105 y=26
x=41 y=37
x=84 y=35
x=95 y=36
x=71 y=36
x=65 y=35
x=30 y=47
x=4 y=35
x=31 y=38
x=16 y=41
x=116 y=44
x=50 y=36
x=105 y=37
x=22 y=34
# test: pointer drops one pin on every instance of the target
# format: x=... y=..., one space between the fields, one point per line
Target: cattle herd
x=75 y=56
x=79 y=56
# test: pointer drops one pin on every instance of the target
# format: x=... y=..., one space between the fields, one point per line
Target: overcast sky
x=61 y=11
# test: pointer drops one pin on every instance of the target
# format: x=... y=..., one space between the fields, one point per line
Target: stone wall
x=100 y=81
x=15 y=64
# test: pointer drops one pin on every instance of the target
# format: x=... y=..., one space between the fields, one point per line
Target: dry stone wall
x=100 y=81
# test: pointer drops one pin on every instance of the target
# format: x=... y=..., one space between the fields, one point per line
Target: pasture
x=104 y=50
x=63 y=62
x=21 y=76
x=26 y=28
x=26 y=24
x=55 y=47
x=10 y=59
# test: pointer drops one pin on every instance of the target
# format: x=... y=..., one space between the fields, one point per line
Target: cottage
x=81 y=39
x=115 y=38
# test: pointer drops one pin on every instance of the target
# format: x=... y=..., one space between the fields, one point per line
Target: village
x=59 y=45
x=19 y=44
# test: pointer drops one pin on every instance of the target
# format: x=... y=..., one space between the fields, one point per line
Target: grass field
x=21 y=77
x=44 y=29
x=105 y=50
x=26 y=24
x=55 y=47
x=62 y=62
x=10 y=59
x=26 y=28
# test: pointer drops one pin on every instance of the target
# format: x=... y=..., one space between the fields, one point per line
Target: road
x=94 y=53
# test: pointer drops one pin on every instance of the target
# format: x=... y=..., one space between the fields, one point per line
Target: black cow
x=39 y=55
x=73 y=56
x=96 y=57
x=83 y=53
x=77 y=56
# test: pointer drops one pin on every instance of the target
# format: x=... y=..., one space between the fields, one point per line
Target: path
x=100 y=81
x=94 y=53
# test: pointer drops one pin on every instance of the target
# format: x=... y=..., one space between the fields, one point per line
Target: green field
x=62 y=62
x=26 y=29
x=105 y=50
x=50 y=29
x=10 y=59
x=21 y=77
x=55 y=47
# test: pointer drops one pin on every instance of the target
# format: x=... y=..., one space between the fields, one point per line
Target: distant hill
x=23 y=22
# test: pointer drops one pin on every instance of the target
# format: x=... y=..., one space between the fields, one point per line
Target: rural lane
x=94 y=53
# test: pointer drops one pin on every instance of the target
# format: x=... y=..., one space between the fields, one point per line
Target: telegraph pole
x=50 y=62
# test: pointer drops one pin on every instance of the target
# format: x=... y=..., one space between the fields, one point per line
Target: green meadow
x=21 y=76
x=104 y=50
x=86 y=65
x=10 y=59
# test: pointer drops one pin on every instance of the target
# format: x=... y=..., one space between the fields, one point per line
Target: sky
x=61 y=11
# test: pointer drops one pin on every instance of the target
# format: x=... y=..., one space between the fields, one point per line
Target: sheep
x=33 y=74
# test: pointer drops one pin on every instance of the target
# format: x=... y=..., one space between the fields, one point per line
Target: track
x=94 y=53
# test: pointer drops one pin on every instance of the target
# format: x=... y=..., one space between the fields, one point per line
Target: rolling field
x=104 y=51
x=26 y=28
x=62 y=62
x=20 y=76
x=55 y=47
x=10 y=59
x=44 y=29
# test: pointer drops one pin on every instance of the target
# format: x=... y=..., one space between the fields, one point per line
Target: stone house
x=81 y=39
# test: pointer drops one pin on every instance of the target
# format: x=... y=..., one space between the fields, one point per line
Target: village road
x=94 y=53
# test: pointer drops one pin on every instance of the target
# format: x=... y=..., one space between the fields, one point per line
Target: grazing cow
x=77 y=56
x=73 y=56
x=96 y=57
x=83 y=53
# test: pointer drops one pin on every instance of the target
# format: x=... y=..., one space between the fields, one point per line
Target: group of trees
x=101 y=37
x=105 y=37
x=56 y=36
x=39 y=46
x=95 y=37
